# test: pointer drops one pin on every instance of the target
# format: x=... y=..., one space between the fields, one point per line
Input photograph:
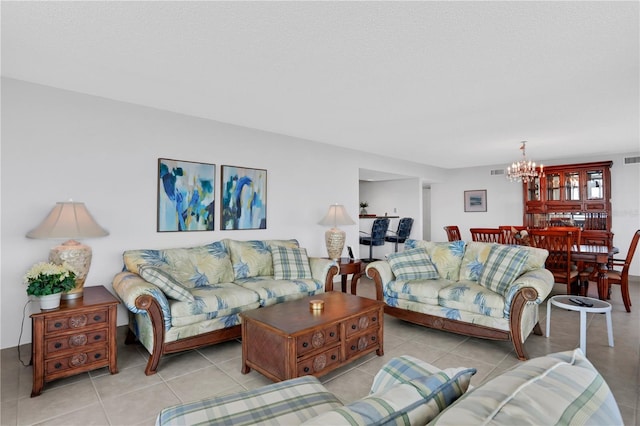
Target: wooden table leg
x=603 y=282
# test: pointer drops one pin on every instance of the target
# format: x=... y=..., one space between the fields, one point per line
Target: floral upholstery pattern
x=253 y=258
x=445 y=256
x=472 y=297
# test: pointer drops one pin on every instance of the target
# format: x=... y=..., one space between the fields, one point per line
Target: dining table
x=600 y=256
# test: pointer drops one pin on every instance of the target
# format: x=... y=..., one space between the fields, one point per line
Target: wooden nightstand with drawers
x=78 y=337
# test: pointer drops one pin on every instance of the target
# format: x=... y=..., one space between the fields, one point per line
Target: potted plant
x=363 y=207
x=47 y=282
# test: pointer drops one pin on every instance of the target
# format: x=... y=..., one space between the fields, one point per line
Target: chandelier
x=524 y=170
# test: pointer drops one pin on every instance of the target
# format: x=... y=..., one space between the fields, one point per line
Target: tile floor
x=131 y=398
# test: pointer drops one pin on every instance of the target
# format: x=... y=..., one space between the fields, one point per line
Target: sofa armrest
x=137 y=295
x=381 y=274
x=323 y=270
x=539 y=279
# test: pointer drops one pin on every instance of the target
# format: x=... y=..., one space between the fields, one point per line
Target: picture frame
x=243 y=195
x=186 y=196
x=475 y=200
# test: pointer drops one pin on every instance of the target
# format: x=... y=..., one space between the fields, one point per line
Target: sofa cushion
x=272 y=291
x=192 y=266
x=561 y=388
x=290 y=263
x=401 y=369
x=414 y=402
x=475 y=255
x=165 y=282
x=503 y=265
x=447 y=256
x=253 y=258
x=413 y=264
x=470 y=296
x=285 y=403
x=420 y=291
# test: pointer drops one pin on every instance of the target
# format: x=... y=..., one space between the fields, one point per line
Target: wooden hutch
x=572 y=195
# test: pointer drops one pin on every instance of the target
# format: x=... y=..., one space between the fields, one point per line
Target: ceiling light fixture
x=524 y=170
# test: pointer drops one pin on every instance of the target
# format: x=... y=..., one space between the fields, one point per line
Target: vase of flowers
x=47 y=282
x=363 y=207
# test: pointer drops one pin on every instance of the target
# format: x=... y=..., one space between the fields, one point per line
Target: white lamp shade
x=337 y=215
x=68 y=219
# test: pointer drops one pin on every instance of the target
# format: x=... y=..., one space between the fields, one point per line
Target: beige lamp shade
x=70 y=220
x=334 y=237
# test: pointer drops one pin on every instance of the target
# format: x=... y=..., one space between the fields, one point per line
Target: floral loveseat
x=183 y=298
x=479 y=289
x=560 y=388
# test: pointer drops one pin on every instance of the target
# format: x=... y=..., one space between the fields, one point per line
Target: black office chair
x=376 y=237
x=401 y=235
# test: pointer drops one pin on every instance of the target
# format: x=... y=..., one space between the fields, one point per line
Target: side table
x=80 y=336
x=599 y=307
x=349 y=266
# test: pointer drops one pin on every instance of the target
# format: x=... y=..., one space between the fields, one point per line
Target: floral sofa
x=561 y=388
x=485 y=290
x=183 y=298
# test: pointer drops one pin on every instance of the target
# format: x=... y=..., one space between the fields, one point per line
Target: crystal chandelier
x=524 y=170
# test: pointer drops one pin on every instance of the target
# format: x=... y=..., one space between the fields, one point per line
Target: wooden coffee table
x=290 y=339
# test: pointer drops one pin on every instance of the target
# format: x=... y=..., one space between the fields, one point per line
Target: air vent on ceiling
x=497 y=172
x=631 y=160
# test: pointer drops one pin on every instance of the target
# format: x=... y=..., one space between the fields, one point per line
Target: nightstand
x=78 y=337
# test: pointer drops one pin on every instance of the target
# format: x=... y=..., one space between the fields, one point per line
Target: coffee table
x=290 y=339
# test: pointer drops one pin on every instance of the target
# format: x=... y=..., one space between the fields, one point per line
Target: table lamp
x=334 y=237
x=70 y=220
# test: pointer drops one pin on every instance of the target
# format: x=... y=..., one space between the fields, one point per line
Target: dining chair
x=509 y=234
x=621 y=277
x=376 y=237
x=401 y=234
x=487 y=235
x=558 y=244
x=453 y=233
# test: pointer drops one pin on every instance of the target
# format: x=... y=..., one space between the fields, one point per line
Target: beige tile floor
x=131 y=398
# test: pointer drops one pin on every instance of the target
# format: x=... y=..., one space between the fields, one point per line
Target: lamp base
x=78 y=257
x=334 y=238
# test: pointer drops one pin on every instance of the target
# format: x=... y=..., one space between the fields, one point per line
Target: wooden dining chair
x=558 y=244
x=487 y=235
x=509 y=234
x=453 y=233
x=621 y=277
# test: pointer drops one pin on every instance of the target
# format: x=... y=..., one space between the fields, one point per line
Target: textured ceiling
x=450 y=84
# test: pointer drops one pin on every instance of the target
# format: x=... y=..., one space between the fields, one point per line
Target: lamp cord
x=24 y=310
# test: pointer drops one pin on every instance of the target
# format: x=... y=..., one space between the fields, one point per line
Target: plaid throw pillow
x=165 y=282
x=504 y=264
x=290 y=263
x=413 y=264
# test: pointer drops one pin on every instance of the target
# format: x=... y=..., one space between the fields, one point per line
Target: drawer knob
x=96 y=337
x=333 y=357
x=97 y=318
x=353 y=326
x=306 y=369
x=332 y=334
x=353 y=347
x=58 y=325
x=58 y=365
x=58 y=345
x=305 y=344
x=374 y=319
x=97 y=356
x=373 y=338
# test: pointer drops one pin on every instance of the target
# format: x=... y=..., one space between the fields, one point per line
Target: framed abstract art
x=244 y=198
x=186 y=195
x=475 y=201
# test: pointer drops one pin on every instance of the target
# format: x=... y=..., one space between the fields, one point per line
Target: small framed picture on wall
x=475 y=201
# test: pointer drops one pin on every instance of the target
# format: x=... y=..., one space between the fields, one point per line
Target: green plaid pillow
x=165 y=282
x=290 y=263
x=413 y=264
x=504 y=264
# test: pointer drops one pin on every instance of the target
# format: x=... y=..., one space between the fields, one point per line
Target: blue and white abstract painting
x=185 y=195
x=244 y=198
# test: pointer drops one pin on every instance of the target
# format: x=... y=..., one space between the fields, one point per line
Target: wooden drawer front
x=361 y=323
x=319 y=362
x=317 y=339
x=595 y=205
x=76 y=321
x=76 y=360
x=362 y=343
x=75 y=340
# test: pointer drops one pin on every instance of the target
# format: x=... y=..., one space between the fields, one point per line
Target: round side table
x=599 y=307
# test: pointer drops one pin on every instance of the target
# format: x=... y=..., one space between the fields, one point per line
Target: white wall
x=504 y=201
x=58 y=145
